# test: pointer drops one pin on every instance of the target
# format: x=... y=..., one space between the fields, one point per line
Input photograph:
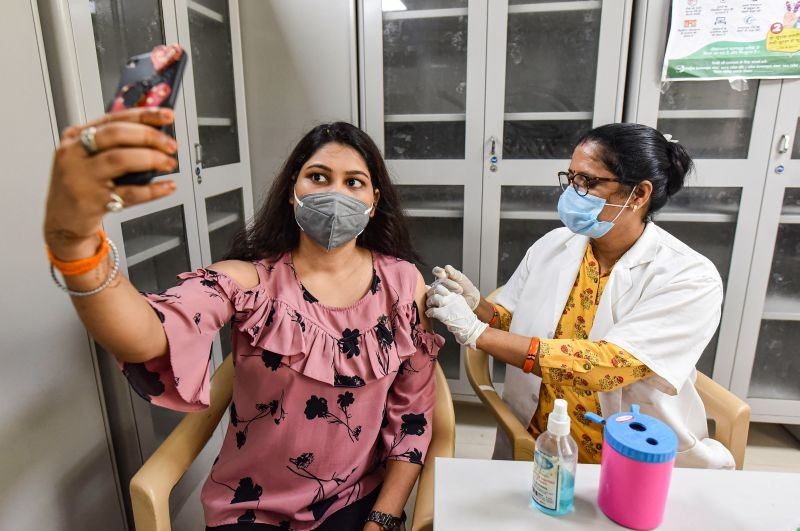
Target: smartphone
x=149 y=80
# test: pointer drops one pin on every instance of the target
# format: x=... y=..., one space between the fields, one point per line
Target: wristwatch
x=386 y=521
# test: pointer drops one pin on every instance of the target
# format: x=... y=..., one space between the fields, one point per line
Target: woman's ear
x=642 y=193
x=376 y=197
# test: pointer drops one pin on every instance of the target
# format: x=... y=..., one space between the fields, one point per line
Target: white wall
x=55 y=464
x=299 y=70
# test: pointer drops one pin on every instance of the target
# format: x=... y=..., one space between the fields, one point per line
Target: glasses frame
x=590 y=181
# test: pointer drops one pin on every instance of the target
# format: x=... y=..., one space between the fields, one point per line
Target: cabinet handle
x=198 y=153
x=783 y=146
x=493 y=148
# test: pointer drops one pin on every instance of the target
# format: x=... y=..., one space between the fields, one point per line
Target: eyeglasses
x=582 y=183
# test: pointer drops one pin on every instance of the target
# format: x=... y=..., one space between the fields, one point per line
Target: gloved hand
x=451 y=310
x=457 y=282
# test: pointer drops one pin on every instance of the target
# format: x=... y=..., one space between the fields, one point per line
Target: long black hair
x=274 y=231
x=636 y=153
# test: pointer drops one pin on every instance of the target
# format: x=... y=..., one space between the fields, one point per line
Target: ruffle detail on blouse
x=242 y=299
x=350 y=360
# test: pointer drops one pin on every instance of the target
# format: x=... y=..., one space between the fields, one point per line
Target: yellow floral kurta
x=574 y=368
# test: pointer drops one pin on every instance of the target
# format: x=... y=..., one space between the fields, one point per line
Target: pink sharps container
x=638 y=455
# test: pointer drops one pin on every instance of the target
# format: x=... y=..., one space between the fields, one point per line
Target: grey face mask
x=331 y=218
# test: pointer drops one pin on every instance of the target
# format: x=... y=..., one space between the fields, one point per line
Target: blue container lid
x=640 y=437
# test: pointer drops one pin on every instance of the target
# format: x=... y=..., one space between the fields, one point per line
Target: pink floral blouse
x=322 y=396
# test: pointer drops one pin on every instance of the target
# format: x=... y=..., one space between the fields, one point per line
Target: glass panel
x=542 y=140
x=425 y=72
x=225 y=215
x=215 y=92
x=156 y=249
x=710 y=118
x=539 y=44
x=776 y=364
x=526 y=214
x=704 y=218
x=796 y=147
x=783 y=291
x=424 y=140
x=123 y=29
x=436 y=219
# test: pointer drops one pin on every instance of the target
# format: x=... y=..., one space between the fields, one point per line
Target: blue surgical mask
x=579 y=213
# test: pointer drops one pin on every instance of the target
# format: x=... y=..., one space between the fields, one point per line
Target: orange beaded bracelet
x=495 y=315
x=84 y=265
x=530 y=359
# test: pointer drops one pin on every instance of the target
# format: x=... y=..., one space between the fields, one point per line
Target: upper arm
x=243 y=273
x=421 y=297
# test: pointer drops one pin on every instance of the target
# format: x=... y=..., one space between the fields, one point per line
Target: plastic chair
x=731 y=414
x=151 y=486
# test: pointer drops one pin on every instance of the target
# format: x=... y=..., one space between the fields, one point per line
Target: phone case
x=149 y=80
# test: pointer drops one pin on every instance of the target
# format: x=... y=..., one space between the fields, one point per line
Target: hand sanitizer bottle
x=554 y=464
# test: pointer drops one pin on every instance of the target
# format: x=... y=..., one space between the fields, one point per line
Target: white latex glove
x=457 y=282
x=452 y=311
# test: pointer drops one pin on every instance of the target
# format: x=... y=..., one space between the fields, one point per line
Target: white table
x=496 y=495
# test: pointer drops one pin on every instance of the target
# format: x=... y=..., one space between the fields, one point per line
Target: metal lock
x=779 y=169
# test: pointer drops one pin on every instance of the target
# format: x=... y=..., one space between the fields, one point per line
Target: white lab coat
x=662 y=304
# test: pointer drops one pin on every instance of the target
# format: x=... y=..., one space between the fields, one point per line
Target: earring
x=635 y=208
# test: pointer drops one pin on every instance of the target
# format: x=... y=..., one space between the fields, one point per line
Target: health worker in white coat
x=610 y=310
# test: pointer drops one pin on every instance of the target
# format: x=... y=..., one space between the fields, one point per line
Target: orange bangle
x=533 y=351
x=84 y=265
x=495 y=316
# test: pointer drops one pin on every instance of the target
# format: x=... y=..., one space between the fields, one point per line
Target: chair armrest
x=476 y=363
x=151 y=486
x=731 y=416
x=443 y=444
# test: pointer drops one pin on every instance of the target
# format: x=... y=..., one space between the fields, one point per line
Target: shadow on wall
x=85 y=499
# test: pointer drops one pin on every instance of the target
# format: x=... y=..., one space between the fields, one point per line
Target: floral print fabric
x=575 y=368
x=322 y=396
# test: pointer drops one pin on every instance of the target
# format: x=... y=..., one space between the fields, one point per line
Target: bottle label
x=545 y=480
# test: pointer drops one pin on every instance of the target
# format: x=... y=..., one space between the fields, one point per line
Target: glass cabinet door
x=544 y=91
x=721 y=125
x=550 y=73
x=436 y=220
x=123 y=29
x=423 y=88
x=776 y=366
x=767 y=365
x=217 y=124
x=214 y=85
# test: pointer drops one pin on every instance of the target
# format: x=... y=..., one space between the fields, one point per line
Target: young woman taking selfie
x=334 y=361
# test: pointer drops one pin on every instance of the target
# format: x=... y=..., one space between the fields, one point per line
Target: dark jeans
x=349 y=518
